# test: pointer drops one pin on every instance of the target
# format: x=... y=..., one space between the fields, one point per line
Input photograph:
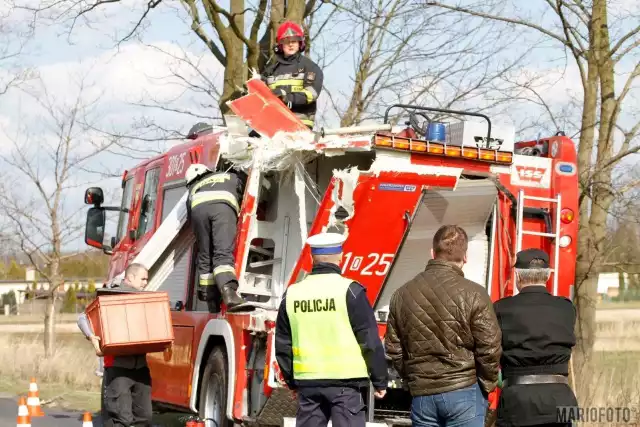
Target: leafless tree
x=403 y=53
x=14 y=38
x=42 y=169
x=603 y=39
x=239 y=36
x=188 y=73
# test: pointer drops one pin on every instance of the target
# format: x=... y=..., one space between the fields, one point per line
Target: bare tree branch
x=40 y=170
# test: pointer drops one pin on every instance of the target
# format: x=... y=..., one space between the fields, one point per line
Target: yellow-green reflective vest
x=324 y=346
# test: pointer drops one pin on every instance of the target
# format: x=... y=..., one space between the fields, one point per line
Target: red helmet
x=290 y=30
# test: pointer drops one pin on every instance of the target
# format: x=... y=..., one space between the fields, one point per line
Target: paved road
x=62 y=418
x=53 y=417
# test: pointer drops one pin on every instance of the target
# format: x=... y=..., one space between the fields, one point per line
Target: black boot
x=231 y=298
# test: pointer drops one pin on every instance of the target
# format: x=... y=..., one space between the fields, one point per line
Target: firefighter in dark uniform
x=213 y=206
x=537 y=339
x=327 y=343
x=293 y=77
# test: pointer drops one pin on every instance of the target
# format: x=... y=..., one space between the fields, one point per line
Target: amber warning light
x=566 y=216
x=426 y=147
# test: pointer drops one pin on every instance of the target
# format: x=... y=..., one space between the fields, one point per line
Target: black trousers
x=126 y=397
x=343 y=405
x=215 y=227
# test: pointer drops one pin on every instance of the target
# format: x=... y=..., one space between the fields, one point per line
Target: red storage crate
x=133 y=323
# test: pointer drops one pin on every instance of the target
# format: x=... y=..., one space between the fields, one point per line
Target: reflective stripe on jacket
x=217 y=188
x=324 y=345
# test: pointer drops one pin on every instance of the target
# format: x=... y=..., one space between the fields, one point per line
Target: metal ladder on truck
x=555 y=235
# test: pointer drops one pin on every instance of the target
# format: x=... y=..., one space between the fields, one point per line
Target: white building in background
x=609 y=284
x=21 y=286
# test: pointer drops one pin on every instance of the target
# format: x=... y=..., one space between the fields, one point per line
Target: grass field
x=65 y=380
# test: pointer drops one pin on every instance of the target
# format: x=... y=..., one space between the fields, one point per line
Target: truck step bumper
x=291 y=422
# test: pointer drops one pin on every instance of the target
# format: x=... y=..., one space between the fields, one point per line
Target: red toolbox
x=132 y=323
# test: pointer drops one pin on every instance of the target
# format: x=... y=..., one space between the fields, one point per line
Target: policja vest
x=217 y=188
x=324 y=346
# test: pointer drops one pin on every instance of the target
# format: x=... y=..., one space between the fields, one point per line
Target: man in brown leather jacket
x=443 y=338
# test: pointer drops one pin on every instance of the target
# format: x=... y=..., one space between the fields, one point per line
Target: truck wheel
x=213 y=394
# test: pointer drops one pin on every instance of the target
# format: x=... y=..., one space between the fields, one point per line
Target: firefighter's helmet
x=290 y=30
x=194 y=171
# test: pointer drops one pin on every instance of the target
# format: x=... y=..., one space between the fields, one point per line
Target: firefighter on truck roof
x=537 y=338
x=293 y=77
x=327 y=343
x=213 y=206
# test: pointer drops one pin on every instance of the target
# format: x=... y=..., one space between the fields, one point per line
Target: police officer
x=327 y=343
x=537 y=339
x=213 y=206
x=293 y=77
x=126 y=383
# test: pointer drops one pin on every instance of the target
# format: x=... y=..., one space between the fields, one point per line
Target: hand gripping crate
x=132 y=323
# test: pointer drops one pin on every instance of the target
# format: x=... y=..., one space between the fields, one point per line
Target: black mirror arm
x=115 y=209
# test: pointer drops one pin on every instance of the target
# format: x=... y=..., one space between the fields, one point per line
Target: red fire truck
x=388 y=190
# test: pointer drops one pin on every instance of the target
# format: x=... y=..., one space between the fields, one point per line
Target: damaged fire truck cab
x=388 y=192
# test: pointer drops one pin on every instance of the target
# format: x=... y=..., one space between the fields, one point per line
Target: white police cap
x=326 y=243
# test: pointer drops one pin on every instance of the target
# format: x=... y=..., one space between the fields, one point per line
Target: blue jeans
x=465 y=407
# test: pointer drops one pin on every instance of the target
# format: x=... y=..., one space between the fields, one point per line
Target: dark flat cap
x=524 y=258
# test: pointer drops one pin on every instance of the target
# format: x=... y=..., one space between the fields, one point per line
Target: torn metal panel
x=285 y=149
x=342 y=196
x=264 y=112
x=300 y=189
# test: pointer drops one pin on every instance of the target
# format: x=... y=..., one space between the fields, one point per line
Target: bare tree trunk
x=592 y=237
x=49 y=325
x=585 y=288
x=234 y=71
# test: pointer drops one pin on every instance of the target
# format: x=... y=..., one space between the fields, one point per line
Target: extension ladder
x=520 y=232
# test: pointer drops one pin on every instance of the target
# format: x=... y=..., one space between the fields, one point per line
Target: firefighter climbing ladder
x=555 y=235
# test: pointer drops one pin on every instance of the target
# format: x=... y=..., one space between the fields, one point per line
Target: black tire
x=213 y=393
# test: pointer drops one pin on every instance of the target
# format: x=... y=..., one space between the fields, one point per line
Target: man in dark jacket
x=213 y=207
x=126 y=383
x=327 y=343
x=443 y=338
x=537 y=338
x=293 y=77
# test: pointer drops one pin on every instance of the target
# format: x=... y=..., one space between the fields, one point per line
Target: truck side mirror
x=94 y=229
x=93 y=196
